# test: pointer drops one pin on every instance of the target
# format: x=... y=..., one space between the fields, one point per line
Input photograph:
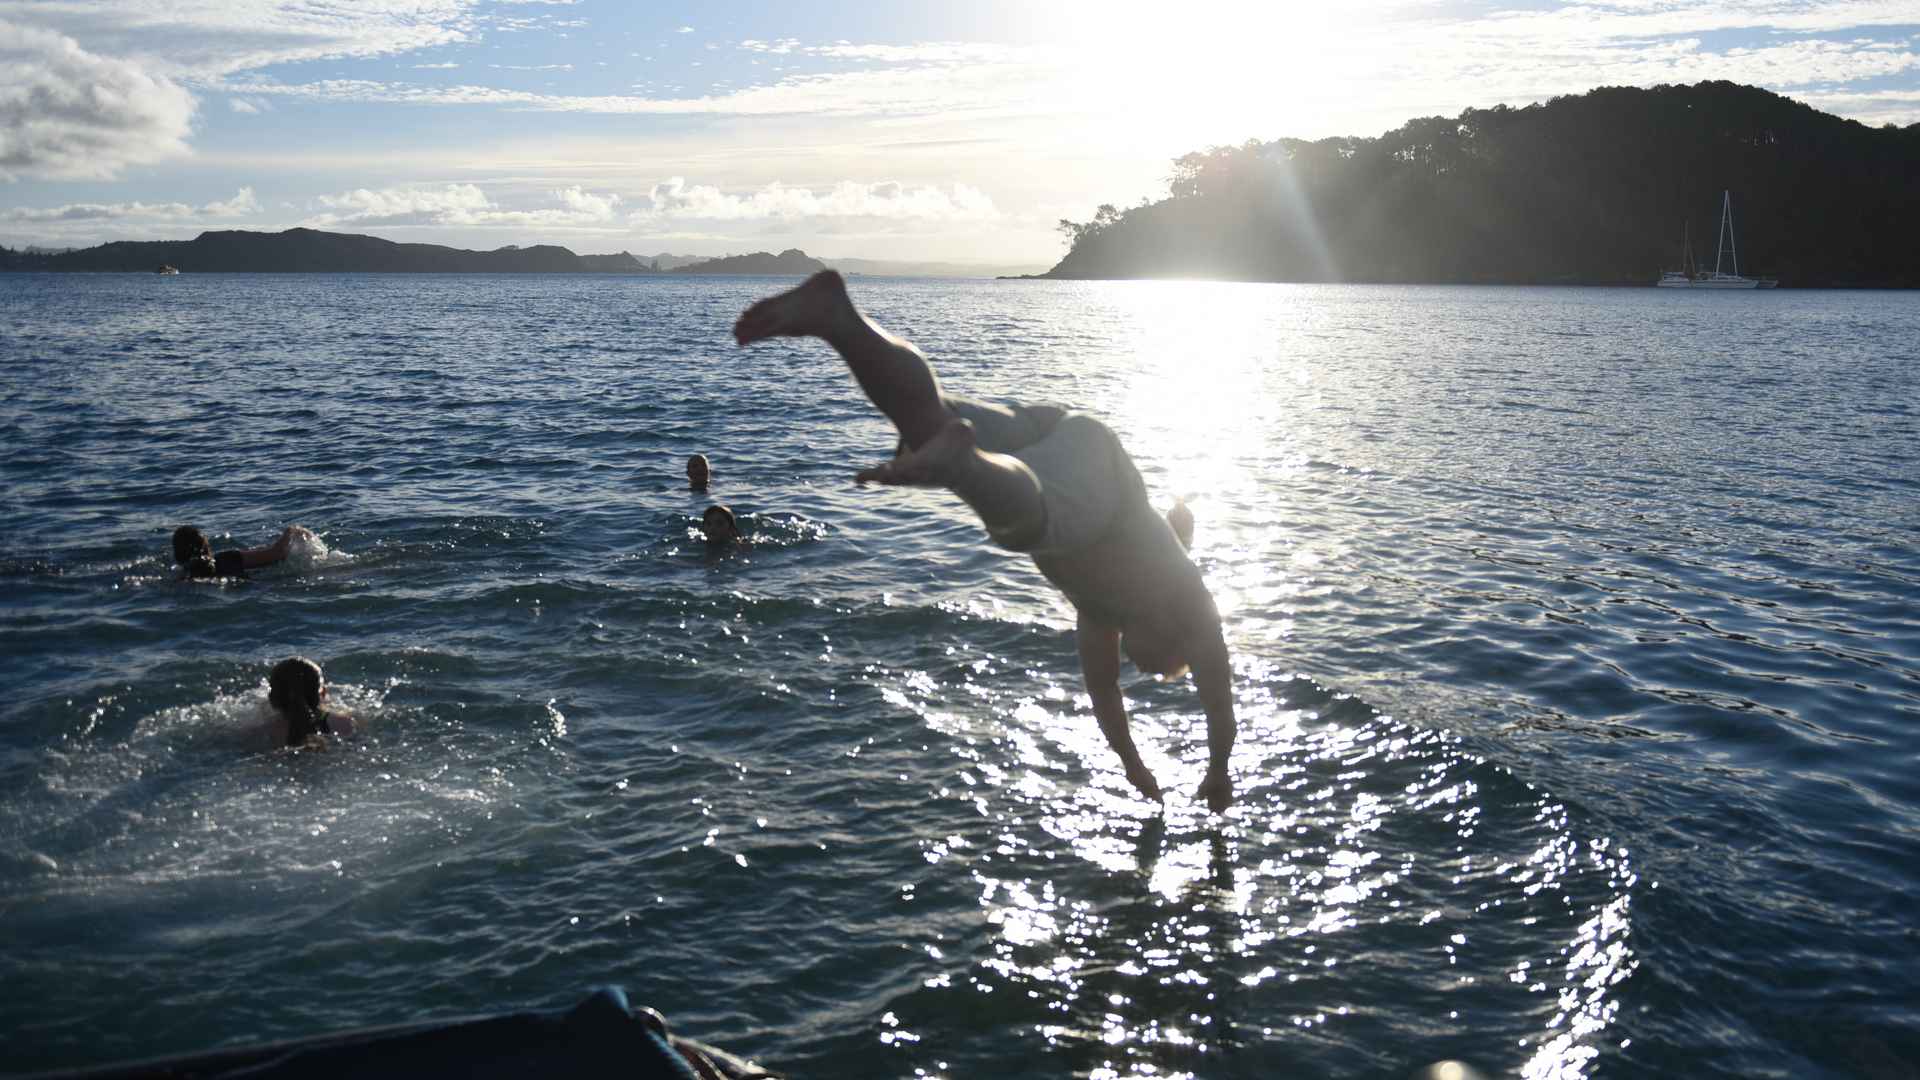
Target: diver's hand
x=1217 y=790
x=1141 y=777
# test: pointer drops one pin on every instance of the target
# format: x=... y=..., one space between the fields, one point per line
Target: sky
x=958 y=131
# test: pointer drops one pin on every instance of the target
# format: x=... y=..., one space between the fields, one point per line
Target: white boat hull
x=1719 y=279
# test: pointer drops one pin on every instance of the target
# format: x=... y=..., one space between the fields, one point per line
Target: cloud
x=70 y=110
x=242 y=204
x=889 y=201
x=67 y=113
x=671 y=203
x=248 y=106
x=462 y=206
x=943 y=80
x=196 y=42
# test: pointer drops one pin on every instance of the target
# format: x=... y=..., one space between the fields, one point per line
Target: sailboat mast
x=1726 y=248
x=1733 y=247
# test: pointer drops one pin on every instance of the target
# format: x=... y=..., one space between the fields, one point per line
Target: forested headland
x=1591 y=189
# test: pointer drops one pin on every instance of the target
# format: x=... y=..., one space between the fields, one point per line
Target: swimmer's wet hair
x=294 y=689
x=191 y=550
x=725 y=514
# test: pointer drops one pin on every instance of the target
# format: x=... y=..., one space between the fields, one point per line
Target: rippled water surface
x=1577 y=673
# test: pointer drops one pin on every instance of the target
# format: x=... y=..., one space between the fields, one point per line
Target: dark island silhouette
x=790 y=261
x=297 y=251
x=1598 y=188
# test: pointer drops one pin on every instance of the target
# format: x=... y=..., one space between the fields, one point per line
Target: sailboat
x=1728 y=256
x=1683 y=277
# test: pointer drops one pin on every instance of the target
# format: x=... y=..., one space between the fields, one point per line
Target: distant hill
x=790 y=261
x=312 y=251
x=1599 y=188
x=666 y=262
x=900 y=268
x=300 y=251
x=297 y=251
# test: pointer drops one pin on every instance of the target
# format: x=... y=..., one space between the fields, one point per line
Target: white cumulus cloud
x=462 y=206
x=67 y=113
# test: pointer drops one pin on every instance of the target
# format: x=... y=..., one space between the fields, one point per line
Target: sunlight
x=1202 y=74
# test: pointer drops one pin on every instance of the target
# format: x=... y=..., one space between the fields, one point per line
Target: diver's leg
x=900 y=382
x=896 y=378
x=999 y=487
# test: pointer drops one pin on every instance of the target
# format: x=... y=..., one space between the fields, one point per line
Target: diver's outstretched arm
x=1099 y=646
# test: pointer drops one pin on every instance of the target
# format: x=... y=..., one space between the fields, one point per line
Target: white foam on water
x=197 y=792
x=308 y=552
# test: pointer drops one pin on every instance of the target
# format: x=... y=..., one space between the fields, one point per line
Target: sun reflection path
x=1380 y=897
x=1375 y=880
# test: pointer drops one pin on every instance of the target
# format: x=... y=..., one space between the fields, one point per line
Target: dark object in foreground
x=601 y=1036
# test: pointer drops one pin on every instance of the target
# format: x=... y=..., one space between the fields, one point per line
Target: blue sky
x=955 y=131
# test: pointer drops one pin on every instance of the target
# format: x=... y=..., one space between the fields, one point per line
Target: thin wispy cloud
x=886 y=201
x=925 y=87
x=243 y=204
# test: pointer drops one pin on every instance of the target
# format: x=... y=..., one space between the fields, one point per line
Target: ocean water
x=1577 y=671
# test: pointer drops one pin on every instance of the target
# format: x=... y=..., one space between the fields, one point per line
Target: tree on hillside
x=1597 y=187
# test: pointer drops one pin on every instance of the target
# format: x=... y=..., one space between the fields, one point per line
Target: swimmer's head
x=697 y=472
x=296 y=688
x=192 y=551
x=720 y=526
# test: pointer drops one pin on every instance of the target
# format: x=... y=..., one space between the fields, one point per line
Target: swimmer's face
x=719 y=525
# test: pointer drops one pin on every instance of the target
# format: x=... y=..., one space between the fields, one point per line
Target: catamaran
x=1728 y=256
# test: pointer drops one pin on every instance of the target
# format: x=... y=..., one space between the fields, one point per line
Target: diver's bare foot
x=937 y=463
x=810 y=309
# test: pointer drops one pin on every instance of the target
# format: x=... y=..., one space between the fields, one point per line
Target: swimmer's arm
x=1100 y=666
x=268 y=554
x=1213 y=677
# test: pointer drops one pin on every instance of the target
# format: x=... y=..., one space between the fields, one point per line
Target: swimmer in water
x=1058 y=486
x=698 y=472
x=721 y=527
x=298 y=693
x=199 y=562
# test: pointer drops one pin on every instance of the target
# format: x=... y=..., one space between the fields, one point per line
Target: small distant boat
x=1728 y=256
x=166 y=268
